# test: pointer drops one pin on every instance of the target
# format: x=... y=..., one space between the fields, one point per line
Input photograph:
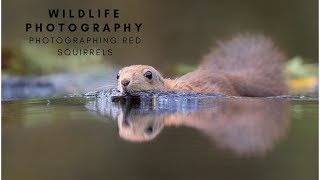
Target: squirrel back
x=246 y=65
x=252 y=63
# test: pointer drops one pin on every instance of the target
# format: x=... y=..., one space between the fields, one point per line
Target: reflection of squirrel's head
x=139 y=127
x=139 y=78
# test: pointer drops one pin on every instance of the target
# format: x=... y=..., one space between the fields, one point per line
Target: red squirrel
x=246 y=65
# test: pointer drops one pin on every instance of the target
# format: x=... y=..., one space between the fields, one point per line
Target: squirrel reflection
x=245 y=126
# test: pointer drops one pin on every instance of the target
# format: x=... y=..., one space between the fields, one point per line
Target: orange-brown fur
x=246 y=65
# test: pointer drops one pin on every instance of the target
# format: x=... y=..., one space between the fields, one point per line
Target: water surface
x=207 y=138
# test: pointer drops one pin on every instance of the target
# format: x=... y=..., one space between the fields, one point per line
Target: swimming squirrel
x=246 y=65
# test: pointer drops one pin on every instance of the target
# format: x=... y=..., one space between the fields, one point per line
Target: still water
x=207 y=138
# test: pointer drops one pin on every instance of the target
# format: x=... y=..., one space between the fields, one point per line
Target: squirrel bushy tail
x=252 y=63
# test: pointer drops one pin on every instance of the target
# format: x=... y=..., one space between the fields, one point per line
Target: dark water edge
x=78 y=84
x=56 y=85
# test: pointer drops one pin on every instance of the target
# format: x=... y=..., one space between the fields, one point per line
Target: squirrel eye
x=148 y=74
x=149 y=130
x=118 y=76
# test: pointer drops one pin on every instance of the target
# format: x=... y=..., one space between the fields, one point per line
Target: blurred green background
x=175 y=34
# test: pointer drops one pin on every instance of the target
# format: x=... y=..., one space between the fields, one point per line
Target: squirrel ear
x=160 y=78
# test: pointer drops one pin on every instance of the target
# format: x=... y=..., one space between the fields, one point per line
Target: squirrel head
x=139 y=78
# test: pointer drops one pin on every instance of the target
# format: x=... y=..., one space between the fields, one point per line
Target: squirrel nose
x=125 y=82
